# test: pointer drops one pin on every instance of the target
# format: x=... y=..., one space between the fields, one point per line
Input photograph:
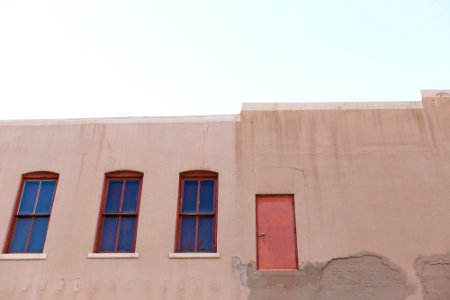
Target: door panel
x=276 y=237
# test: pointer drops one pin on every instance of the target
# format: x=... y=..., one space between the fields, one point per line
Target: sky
x=98 y=58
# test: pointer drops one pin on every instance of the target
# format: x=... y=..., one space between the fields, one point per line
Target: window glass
x=187 y=241
x=29 y=194
x=190 y=196
x=126 y=235
x=45 y=197
x=109 y=234
x=38 y=232
x=130 y=196
x=205 y=234
x=114 y=195
x=20 y=237
x=206 y=196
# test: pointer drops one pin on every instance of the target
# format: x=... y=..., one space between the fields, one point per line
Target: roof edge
x=125 y=120
x=332 y=106
x=435 y=93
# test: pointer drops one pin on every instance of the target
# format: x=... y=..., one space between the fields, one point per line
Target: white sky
x=99 y=58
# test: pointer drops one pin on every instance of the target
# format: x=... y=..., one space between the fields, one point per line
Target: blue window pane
x=29 y=195
x=187 y=238
x=114 y=194
x=130 y=196
x=20 y=237
x=109 y=234
x=190 y=196
x=206 y=196
x=45 y=197
x=126 y=236
x=205 y=234
x=38 y=233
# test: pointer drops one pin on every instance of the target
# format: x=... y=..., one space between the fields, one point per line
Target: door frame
x=256 y=226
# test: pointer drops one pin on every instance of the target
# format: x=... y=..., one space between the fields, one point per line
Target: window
x=119 y=212
x=32 y=213
x=197 y=212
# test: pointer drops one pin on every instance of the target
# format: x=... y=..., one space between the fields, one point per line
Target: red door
x=275 y=232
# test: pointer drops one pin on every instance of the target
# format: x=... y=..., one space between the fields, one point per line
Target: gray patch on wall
x=434 y=273
x=362 y=276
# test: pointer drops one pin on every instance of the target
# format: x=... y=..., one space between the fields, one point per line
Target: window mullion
x=29 y=234
x=196 y=218
x=122 y=196
x=119 y=215
x=37 y=196
x=33 y=215
x=119 y=222
x=205 y=214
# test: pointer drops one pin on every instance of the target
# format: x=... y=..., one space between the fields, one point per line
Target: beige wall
x=371 y=184
x=81 y=152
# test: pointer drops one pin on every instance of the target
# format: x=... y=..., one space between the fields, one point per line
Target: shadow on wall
x=362 y=276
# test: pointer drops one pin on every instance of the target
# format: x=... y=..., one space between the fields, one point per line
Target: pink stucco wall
x=370 y=183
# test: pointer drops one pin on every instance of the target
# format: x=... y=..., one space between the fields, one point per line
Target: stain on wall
x=363 y=276
x=434 y=273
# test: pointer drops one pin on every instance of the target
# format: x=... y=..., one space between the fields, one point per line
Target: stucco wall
x=81 y=152
x=367 y=182
x=371 y=187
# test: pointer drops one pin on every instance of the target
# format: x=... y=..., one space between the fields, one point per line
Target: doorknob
x=261 y=234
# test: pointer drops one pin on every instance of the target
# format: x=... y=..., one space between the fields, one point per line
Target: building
x=283 y=201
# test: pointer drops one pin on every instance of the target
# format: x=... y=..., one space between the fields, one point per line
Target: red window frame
x=41 y=176
x=196 y=175
x=118 y=175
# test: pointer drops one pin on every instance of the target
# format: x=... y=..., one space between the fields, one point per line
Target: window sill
x=193 y=255
x=23 y=256
x=112 y=255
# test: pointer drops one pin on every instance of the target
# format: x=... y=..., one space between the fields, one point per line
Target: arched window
x=197 y=212
x=32 y=213
x=119 y=211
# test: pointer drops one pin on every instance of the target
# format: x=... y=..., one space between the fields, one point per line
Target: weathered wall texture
x=364 y=276
x=373 y=179
x=434 y=272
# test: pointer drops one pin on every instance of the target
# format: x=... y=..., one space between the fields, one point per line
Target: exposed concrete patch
x=265 y=285
x=362 y=277
x=434 y=273
x=358 y=277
